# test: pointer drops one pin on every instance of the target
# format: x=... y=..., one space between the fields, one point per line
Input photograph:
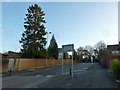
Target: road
x=86 y=75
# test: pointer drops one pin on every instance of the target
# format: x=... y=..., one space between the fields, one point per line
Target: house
x=5 y=59
x=113 y=53
x=114 y=49
x=13 y=54
x=60 y=55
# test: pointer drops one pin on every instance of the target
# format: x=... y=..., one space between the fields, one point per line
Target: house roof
x=113 y=47
x=11 y=54
x=59 y=50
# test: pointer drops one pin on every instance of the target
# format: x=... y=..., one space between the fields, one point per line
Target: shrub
x=116 y=68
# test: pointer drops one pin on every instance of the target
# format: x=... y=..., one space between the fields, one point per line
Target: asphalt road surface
x=86 y=75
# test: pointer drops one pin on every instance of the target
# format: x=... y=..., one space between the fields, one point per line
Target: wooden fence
x=108 y=60
x=5 y=64
x=23 y=64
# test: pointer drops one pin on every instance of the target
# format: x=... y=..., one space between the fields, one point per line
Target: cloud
x=1 y=30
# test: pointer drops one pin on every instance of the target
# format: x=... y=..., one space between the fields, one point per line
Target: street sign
x=60 y=55
x=67 y=48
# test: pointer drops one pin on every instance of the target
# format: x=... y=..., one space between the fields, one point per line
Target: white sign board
x=11 y=64
x=67 y=48
x=60 y=56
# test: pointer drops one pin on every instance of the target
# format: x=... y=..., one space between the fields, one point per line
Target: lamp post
x=47 y=48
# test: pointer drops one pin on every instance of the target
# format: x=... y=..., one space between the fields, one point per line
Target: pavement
x=86 y=75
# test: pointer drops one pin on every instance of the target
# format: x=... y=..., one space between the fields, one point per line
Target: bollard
x=70 y=71
x=10 y=72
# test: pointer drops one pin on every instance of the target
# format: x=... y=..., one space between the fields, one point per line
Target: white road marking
x=65 y=73
x=31 y=70
x=85 y=68
x=49 y=68
x=38 y=75
x=49 y=76
x=66 y=77
x=118 y=81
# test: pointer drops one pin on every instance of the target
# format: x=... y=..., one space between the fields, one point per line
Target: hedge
x=116 y=68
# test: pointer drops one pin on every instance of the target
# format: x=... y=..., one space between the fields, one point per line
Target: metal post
x=46 y=50
x=18 y=63
x=70 y=71
x=62 y=63
x=72 y=63
x=10 y=71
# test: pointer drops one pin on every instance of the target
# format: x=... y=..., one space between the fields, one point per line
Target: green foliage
x=80 y=53
x=53 y=48
x=116 y=68
x=51 y=57
x=100 y=49
x=75 y=56
x=33 y=38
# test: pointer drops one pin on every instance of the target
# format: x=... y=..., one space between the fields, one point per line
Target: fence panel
x=23 y=63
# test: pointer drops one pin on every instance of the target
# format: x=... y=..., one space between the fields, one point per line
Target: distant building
x=11 y=54
x=113 y=53
x=4 y=55
x=14 y=54
x=60 y=54
x=6 y=59
x=113 y=49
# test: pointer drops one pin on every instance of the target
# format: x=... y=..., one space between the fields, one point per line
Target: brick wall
x=108 y=60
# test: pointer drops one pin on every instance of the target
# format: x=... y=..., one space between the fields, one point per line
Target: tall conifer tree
x=33 y=38
x=53 y=48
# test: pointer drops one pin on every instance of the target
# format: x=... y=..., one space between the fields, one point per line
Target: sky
x=78 y=23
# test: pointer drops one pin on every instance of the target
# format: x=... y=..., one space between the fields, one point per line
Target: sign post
x=72 y=63
x=67 y=48
x=62 y=63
